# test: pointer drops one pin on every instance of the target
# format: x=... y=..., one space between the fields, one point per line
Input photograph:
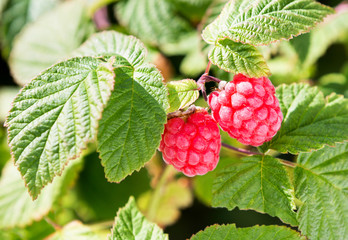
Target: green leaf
x=54 y=116
x=131 y=224
x=238 y=58
x=111 y=43
x=321 y=183
x=261 y=22
x=154 y=22
x=257 y=232
x=133 y=121
x=260 y=183
x=313 y=45
x=18 y=13
x=182 y=94
x=16 y=206
x=44 y=42
x=310 y=120
x=74 y=230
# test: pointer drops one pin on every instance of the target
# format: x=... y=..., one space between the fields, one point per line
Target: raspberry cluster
x=192 y=144
x=247 y=109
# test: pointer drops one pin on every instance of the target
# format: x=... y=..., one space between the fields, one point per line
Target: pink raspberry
x=192 y=145
x=247 y=109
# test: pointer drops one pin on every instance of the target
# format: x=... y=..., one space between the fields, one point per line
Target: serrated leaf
x=321 y=183
x=54 y=116
x=154 y=22
x=131 y=224
x=310 y=120
x=133 y=121
x=182 y=94
x=238 y=58
x=44 y=42
x=16 y=206
x=260 y=183
x=111 y=43
x=17 y=13
x=135 y=114
x=74 y=230
x=313 y=45
x=261 y=22
x=257 y=232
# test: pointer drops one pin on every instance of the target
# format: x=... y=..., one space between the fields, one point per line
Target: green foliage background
x=35 y=36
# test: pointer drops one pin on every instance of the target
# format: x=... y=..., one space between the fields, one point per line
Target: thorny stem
x=158 y=193
x=240 y=150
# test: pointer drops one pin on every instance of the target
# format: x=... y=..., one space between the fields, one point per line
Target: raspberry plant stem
x=167 y=173
x=243 y=151
x=206 y=78
x=208 y=68
x=240 y=150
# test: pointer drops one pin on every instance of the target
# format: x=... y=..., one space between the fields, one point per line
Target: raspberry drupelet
x=247 y=109
x=192 y=145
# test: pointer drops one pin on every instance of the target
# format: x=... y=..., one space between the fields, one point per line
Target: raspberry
x=192 y=145
x=247 y=109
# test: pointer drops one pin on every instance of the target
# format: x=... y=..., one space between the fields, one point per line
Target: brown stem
x=192 y=109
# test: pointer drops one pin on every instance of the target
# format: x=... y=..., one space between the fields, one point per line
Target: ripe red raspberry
x=247 y=109
x=193 y=145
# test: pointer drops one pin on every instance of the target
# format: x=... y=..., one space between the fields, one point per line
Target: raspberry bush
x=160 y=106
